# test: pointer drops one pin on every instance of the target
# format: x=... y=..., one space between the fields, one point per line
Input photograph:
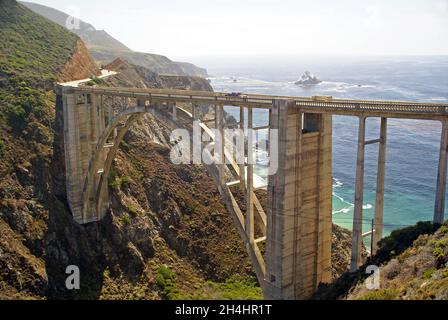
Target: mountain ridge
x=104 y=48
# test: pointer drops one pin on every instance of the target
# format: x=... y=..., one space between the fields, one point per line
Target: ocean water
x=413 y=146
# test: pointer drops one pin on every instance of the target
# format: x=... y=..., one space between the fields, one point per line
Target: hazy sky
x=270 y=27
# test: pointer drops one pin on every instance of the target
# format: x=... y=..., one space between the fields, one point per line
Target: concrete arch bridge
x=289 y=244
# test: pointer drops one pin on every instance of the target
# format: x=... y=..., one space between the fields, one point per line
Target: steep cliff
x=79 y=66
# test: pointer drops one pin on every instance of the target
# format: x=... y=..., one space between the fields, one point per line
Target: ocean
x=413 y=146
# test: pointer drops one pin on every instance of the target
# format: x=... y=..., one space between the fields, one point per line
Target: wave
x=343 y=210
x=350 y=207
x=245 y=81
x=337 y=183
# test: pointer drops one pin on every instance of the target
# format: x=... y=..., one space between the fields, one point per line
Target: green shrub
x=438 y=252
x=16 y=116
x=118 y=182
x=238 y=288
x=399 y=240
x=166 y=280
x=132 y=210
x=443 y=230
x=383 y=294
x=428 y=273
x=126 y=219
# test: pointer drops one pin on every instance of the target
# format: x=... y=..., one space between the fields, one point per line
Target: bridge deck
x=369 y=108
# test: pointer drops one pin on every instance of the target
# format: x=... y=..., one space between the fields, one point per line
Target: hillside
x=413 y=266
x=104 y=48
x=34 y=53
x=419 y=273
x=145 y=259
x=131 y=75
x=91 y=37
x=34 y=50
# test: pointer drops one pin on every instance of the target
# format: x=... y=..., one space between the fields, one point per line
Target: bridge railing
x=397 y=109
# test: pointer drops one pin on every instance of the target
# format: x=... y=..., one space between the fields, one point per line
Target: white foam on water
x=337 y=183
x=343 y=210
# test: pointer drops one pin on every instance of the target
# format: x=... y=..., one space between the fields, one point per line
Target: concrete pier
x=381 y=173
x=439 y=210
x=298 y=248
x=359 y=198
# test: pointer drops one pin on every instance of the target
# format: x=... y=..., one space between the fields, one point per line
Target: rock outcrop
x=308 y=79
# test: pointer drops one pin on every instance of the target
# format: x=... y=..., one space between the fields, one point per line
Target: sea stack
x=308 y=79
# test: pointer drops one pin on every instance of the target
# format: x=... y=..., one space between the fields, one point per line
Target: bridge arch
x=95 y=188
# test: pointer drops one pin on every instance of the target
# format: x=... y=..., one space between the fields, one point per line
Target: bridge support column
x=220 y=143
x=174 y=111
x=359 y=197
x=250 y=180
x=299 y=219
x=81 y=133
x=439 y=209
x=379 y=204
x=242 y=166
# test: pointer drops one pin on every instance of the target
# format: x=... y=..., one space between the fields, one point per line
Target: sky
x=194 y=28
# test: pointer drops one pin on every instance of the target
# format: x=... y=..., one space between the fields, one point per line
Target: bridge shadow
x=69 y=244
x=98 y=249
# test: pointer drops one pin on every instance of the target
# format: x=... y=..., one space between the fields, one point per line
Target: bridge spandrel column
x=298 y=249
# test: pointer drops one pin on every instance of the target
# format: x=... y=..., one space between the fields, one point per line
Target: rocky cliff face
x=79 y=66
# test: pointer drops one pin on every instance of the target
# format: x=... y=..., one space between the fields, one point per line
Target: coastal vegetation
x=413 y=264
x=33 y=50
